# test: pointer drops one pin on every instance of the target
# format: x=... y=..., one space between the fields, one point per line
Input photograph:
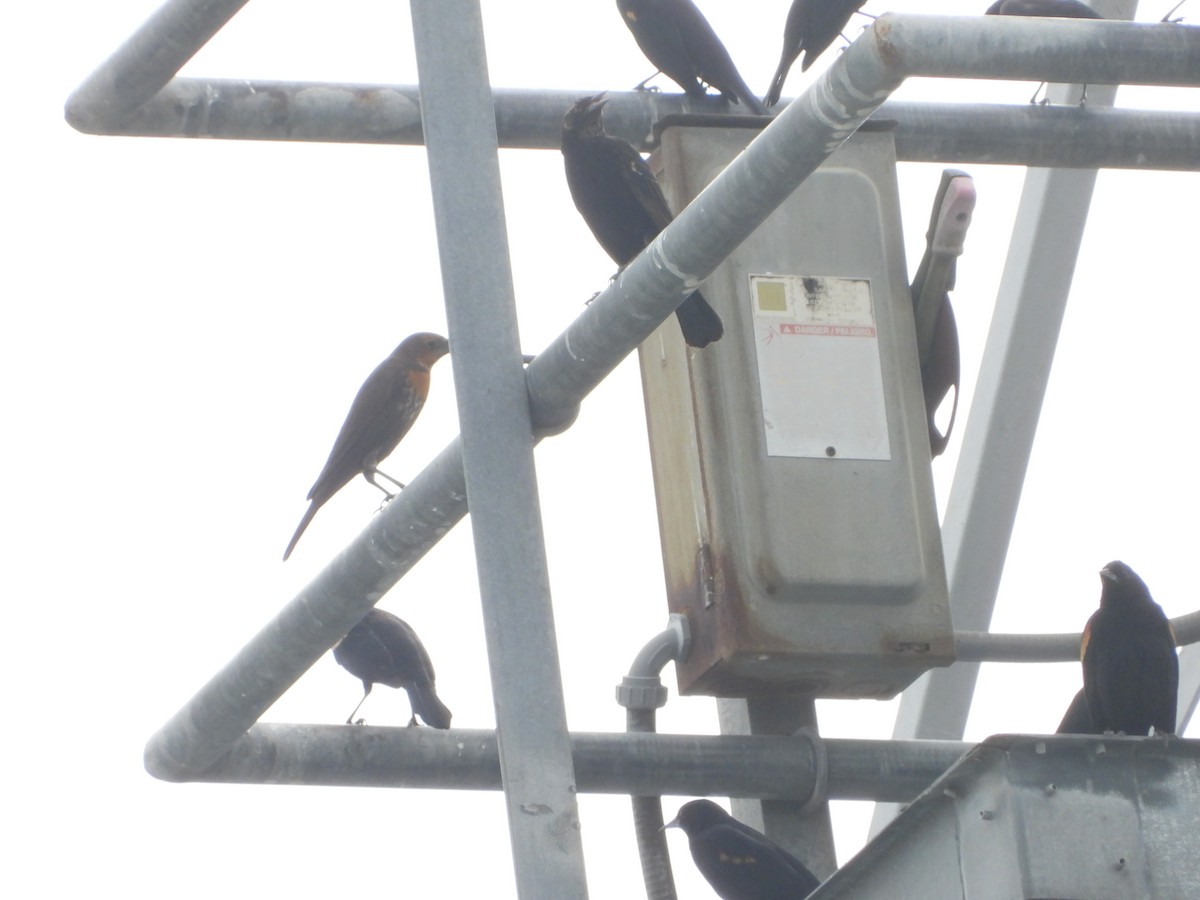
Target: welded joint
x=820 y=766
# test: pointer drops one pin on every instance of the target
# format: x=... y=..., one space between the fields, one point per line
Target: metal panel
x=1062 y=817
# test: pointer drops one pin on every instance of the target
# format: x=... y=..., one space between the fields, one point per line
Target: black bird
x=1077 y=719
x=810 y=28
x=615 y=192
x=1055 y=9
x=739 y=862
x=385 y=408
x=678 y=40
x=383 y=649
x=1130 y=667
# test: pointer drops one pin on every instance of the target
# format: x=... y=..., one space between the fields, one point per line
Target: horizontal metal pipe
x=1027 y=134
x=984 y=646
x=641 y=763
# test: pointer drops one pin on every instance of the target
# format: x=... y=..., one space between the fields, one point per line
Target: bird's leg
x=370 y=476
x=1034 y=98
x=350 y=718
x=413 y=723
x=1167 y=20
x=641 y=85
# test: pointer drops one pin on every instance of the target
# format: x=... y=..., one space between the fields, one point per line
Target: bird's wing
x=409 y=659
x=372 y=405
x=641 y=183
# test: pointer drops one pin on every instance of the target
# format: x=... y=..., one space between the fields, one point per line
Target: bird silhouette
x=737 y=861
x=678 y=40
x=810 y=28
x=383 y=649
x=382 y=413
x=615 y=192
x=1130 y=666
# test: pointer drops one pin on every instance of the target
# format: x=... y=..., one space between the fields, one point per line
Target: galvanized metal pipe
x=767 y=766
x=151 y=56
x=1026 y=135
x=498 y=442
x=986 y=646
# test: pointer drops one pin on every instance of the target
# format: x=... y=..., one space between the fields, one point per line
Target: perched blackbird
x=385 y=408
x=810 y=28
x=1058 y=9
x=739 y=862
x=383 y=649
x=1130 y=667
x=1077 y=719
x=678 y=40
x=615 y=192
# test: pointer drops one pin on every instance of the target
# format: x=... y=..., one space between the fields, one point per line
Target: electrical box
x=791 y=458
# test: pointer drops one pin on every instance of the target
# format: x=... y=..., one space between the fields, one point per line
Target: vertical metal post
x=998 y=438
x=804 y=829
x=535 y=753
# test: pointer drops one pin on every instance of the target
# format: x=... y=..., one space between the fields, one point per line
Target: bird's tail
x=746 y=98
x=308 y=515
x=425 y=703
x=700 y=323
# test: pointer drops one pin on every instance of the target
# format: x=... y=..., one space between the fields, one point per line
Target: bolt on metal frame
x=132 y=93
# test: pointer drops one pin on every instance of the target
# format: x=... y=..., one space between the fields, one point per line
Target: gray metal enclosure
x=945 y=839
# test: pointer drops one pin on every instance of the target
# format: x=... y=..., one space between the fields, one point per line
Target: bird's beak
x=674 y=823
x=1107 y=574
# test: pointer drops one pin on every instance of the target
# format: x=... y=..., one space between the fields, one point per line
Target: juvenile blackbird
x=739 y=862
x=1058 y=9
x=678 y=40
x=386 y=407
x=615 y=192
x=1130 y=667
x=810 y=28
x=383 y=649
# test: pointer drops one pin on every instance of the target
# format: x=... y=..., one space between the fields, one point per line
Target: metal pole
x=961 y=133
x=774 y=767
x=497 y=441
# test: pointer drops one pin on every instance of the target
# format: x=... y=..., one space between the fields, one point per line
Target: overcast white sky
x=188 y=321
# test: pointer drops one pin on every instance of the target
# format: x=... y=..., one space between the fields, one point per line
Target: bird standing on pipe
x=677 y=39
x=386 y=406
x=810 y=28
x=1130 y=666
x=383 y=649
x=615 y=192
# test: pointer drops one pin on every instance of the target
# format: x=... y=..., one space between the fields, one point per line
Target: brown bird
x=383 y=649
x=386 y=407
x=1130 y=667
x=615 y=192
x=810 y=28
